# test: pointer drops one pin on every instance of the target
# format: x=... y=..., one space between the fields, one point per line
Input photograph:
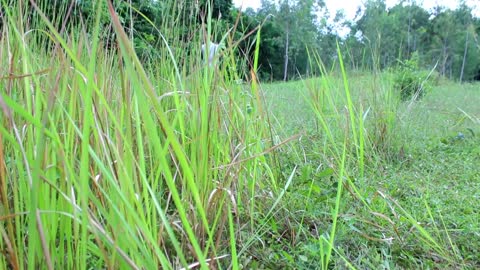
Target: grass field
x=107 y=162
x=432 y=178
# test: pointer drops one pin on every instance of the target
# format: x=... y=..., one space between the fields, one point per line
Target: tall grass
x=358 y=134
x=112 y=165
x=109 y=159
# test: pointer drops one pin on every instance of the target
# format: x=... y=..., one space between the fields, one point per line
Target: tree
x=417 y=22
x=464 y=46
x=451 y=36
x=286 y=16
x=289 y=29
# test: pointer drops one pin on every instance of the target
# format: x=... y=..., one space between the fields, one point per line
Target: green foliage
x=115 y=151
x=410 y=80
x=293 y=30
x=288 y=30
x=441 y=37
x=109 y=160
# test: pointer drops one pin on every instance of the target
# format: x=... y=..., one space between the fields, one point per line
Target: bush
x=410 y=80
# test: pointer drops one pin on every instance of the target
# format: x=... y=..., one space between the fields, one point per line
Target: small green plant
x=410 y=80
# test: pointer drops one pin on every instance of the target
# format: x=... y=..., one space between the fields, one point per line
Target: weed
x=411 y=81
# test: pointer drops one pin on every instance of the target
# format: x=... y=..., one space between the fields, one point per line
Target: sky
x=350 y=6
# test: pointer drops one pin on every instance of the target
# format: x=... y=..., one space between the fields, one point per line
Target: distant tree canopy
x=297 y=36
x=295 y=32
x=379 y=38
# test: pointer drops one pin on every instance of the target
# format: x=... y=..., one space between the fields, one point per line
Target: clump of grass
x=411 y=81
x=121 y=166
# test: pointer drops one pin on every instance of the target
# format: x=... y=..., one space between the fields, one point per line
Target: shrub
x=410 y=80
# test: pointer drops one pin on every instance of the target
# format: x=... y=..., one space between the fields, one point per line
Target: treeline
x=297 y=37
x=445 y=38
x=379 y=38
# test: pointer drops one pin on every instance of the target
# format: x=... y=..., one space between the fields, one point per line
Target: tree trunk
x=445 y=58
x=285 y=68
x=464 y=58
x=450 y=67
x=408 y=33
x=414 y=43
x=307 y=69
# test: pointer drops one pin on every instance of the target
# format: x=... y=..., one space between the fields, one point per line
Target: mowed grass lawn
x=432 y=172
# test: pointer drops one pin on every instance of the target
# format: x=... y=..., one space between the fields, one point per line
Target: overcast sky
x=350 y=6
